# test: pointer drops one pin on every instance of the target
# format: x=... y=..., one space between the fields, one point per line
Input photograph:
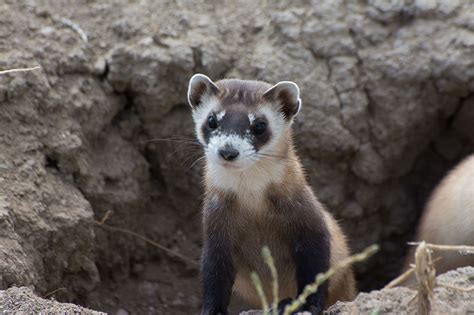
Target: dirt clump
x=24 y=301
x=401 y=300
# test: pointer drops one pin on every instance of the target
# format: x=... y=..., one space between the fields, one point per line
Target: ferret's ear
x=287 y=95
x=200 y=86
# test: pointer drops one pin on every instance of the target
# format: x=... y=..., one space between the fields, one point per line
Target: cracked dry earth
x=388 y=106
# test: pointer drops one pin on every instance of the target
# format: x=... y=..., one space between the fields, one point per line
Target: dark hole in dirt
x=52 y=162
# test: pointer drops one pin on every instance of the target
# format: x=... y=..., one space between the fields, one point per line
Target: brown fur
x=247 y=93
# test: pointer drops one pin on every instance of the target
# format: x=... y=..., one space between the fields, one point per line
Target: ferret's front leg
x=311 y=256
x=218 y=275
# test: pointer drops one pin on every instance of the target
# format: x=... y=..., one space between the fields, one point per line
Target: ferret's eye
x=211 y=122
x=259 y=128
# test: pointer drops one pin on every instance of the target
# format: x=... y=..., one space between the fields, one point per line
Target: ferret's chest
x=249 y=238
x=251 y=234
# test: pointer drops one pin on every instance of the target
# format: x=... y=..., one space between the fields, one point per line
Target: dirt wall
x=388 y=102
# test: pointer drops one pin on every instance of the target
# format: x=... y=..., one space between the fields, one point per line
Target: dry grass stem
x=258 y=286
x=405 y=276
x=268 y=258
x=448 y=286
x=19 y=70
x=322 y=277
x=425 y=272
x=47 y=295
x=462 y=249
x=400 y=279
x=171 y=252
x=426 y=276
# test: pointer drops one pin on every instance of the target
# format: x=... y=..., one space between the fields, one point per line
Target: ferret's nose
x=228 y=154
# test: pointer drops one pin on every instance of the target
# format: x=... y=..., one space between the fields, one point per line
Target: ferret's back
x=449 y=215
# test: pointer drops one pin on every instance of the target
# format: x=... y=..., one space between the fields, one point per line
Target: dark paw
x=283 y=304
x=206 y=312
x=314 y=310
x=307 y=308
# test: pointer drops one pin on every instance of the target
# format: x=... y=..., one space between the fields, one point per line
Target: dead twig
x=426 y=276
x=405 y=276
x=47 y=295
x=462 y=249
x=171 y=252
x=425 y=272
x=400 y=279
x=448 y=286
x=75 y=27
x=105 y=217
x=19 y=70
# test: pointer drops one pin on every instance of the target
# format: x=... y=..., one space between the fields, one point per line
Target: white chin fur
x=245 y=176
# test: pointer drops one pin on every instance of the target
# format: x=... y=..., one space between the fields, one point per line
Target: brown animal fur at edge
x=448 y=218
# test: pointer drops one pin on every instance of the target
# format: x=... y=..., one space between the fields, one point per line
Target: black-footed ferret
x=257 y=195
x=448 y=218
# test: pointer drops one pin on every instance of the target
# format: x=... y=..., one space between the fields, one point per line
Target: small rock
x=100 y=66
x=121 y=311
x=48 y=30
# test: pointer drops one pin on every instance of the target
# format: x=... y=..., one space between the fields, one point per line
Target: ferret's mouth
x=237 y=165
x=230 y=165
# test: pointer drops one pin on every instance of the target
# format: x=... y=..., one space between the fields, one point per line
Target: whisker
x=248 y=150
x=188 y=158
x=179 y=150
x=282 y=158
x=185 y=149
x=195 y=162
x=176 y=140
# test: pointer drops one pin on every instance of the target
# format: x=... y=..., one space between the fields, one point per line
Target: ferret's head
x=242 y=122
